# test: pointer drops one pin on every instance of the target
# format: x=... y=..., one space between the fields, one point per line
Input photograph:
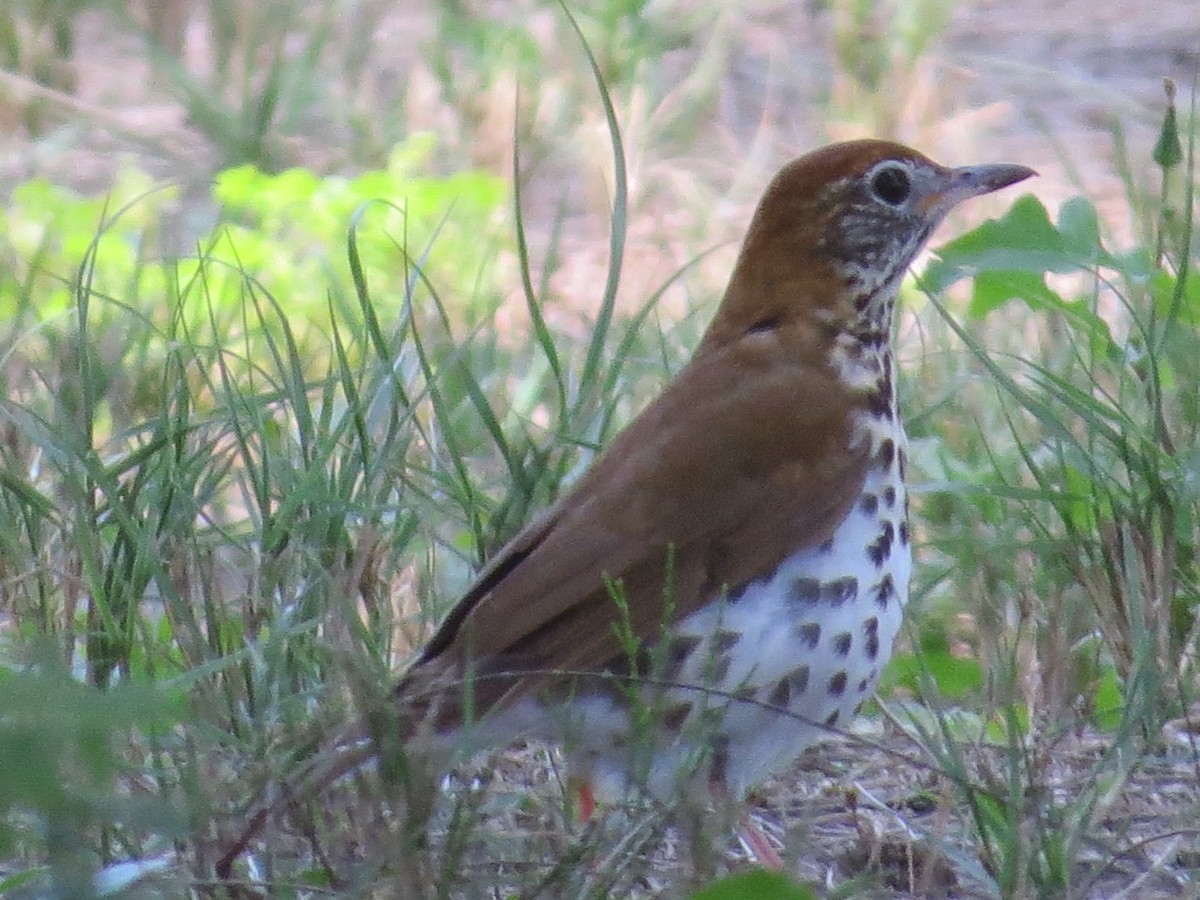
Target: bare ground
x=871 y=812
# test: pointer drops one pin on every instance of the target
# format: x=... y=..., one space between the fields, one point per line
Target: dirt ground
x=875 y=809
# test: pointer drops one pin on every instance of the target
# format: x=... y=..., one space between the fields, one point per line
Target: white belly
x=814 y=638
x=811 y=641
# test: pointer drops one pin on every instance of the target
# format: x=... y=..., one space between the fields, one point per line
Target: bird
x=734 y=566
x=723 y=586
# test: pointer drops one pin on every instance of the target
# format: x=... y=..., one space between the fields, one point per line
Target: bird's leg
x=749 y=833
x=579 y=785
x=758 y=844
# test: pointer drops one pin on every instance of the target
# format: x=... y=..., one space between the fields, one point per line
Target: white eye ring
x=890 y=183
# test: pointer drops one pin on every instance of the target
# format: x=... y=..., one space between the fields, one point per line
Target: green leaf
x=757 y=884
x=1008 y=725
x=1109 y=702
x=1023 y=239
x=1010 y=256
x=955 y=677
x=1079 y=225
x=995 y=287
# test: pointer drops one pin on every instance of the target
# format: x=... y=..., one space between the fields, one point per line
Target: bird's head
x=836 y=230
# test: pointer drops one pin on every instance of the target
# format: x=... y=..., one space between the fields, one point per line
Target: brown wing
x=747 y=457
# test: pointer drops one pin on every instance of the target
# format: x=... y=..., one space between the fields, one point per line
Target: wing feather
x=749 y=456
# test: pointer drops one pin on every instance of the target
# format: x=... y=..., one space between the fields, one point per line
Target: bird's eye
x=891 y=184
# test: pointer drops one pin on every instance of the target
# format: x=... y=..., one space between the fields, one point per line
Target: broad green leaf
x=1079 y=226
x=1022 y=239
x=956 y=677
x=992 y=288
x=1010 y=256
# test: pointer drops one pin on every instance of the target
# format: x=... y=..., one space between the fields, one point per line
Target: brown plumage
x=730 y=492
x=747 y=457
x=762 y=493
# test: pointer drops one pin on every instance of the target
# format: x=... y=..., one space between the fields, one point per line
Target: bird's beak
x=953 y=186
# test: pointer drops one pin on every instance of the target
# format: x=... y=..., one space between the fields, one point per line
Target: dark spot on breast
x=886 y=454
x=837 y=684
x=904 y=534
x=725 y=640
x=833 y=718
x=864 y=685
x=903 y=457
x=873 y=339
x=889 y=497
x=841 y=644
x=804 y=590
x=826 y=547
x=869 y=504
x=879 y=549
x=674 y=717
x=884 y=591
x=809 y=634
x=879 y=403
x=871 y=632
x=781 y=694
x=791 y=685
x=840 y=590
x=679 y=650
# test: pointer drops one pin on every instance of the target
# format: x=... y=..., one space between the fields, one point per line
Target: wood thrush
x=737 y=561
x=724 y=585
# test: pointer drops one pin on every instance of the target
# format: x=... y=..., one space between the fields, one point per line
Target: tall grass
x=254 y=515
x=1070 y=533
